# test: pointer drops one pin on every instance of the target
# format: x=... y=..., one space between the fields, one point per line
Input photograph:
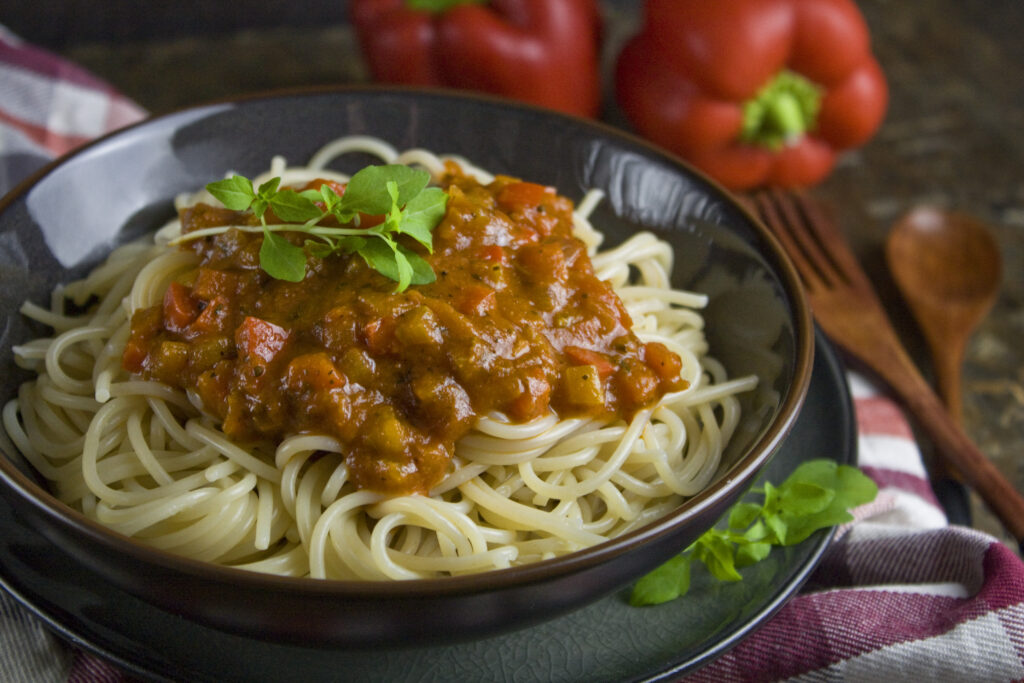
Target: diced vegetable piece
x=313 y=371
x=578 y=355
x=213 y=319
x=639 y=384
x=477 y=300
x=213 y=387
x=385 y=432
x=664 y=362
x=260 y=339
x=418 y=327
x=544 y=262
x=169 y=361
x=146 y=323
x=493 y=253
x=582 y=385
x=212 y=282
x=441 y=399
x=534 y=399
x=207 y=351
x=180 y=308
x=379 y=335
x=523 y=195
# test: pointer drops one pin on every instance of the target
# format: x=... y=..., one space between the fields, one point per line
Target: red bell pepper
x=753 y=92
x=545 y=52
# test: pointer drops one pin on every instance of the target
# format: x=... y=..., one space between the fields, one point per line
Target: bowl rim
x=738 y=474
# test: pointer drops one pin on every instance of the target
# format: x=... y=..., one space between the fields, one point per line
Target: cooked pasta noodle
x=140 y=458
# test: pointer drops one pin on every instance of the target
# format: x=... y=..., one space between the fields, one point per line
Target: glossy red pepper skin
x=545 y=52
x=683 y=79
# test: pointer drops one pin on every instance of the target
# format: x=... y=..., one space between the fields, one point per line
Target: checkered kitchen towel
x=899 y=596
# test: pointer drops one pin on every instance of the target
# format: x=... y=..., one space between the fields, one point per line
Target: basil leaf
x=404 y=269
x=268 y=189
x=422 y=214
x=351 y=244
x=328 y=196
x=367 y=190
x=292 y=207
x=798 y=528
x=718 y=556
x=259 y=207
x=235 y=193
x=756 y=533
x=397 y=263
x=817 y=495
x=379 y=255
x=778 y=527
x=375 y=191
x=743 y=515
x=804 y=498
x=281 y=259
x=752 y=553
x=853 y=487
x=318 y=249
x=422 y=273
x=667 y=582
x=820 y=472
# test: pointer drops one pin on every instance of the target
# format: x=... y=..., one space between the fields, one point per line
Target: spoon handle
x=957 y=449
x=947 y=365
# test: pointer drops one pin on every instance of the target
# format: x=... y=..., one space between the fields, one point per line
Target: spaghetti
x=149 y=461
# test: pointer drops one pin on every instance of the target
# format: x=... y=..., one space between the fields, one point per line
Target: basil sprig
x=817 y=495
x=396 y=192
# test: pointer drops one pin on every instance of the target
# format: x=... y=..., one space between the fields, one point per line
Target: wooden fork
x=850 y=313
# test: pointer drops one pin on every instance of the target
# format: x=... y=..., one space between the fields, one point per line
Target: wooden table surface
x=953 y=137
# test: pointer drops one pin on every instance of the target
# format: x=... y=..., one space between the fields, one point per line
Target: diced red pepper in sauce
x=477 y=300
x=180 y=308
x=259 y=340
x=516 y=322
x=524 y=195
x=580 y=356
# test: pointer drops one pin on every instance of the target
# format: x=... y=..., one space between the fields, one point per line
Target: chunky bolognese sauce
x=515 y=322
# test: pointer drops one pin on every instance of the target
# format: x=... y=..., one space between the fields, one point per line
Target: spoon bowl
x=948 y=268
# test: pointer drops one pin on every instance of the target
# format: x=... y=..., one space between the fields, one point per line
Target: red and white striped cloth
x=49 y=106
x=899 y=596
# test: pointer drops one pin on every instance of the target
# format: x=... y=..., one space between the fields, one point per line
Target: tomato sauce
x=516 y=322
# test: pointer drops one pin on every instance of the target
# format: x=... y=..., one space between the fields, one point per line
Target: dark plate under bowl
x=62 y=221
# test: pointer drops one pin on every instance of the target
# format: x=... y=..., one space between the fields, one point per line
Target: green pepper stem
x=439 y=6
x=782 y=111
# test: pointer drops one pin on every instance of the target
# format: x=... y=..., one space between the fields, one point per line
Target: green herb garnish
x=817 y=495
x=397 y=193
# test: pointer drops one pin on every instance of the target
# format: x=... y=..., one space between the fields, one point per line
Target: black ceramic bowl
x=59 y=223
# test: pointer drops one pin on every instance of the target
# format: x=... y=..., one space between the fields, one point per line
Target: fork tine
x=778 y=218
x=830 y=242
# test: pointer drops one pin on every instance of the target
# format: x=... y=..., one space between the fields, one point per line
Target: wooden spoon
x=948 y=268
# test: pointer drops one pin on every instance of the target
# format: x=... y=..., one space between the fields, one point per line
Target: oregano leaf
x=235 y=193
x=395 y=192
x=668 y=582
x=292 y=207
x=752 y=553
x=422 y=213
x=281 y=259
x=743 y=515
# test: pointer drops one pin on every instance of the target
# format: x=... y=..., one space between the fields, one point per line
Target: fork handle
x=957 y=449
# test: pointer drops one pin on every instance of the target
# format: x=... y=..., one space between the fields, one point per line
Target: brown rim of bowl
x=741 y=471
